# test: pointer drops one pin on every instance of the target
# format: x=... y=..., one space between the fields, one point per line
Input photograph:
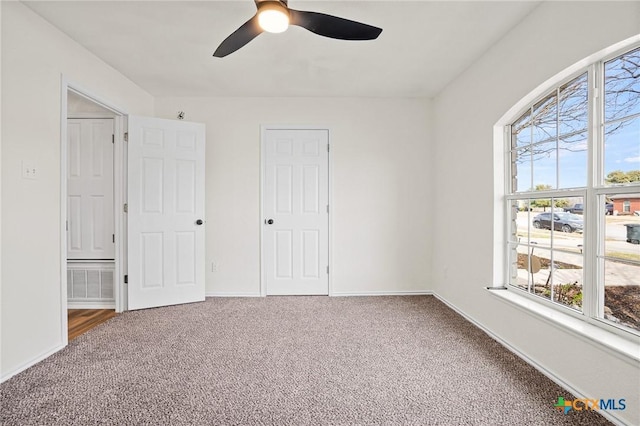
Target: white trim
x=263 y=137
x=64 y=327
x=335 y=294
x=218 y=294
x=382 y=293
x=557 y=380
x=330 y=213
x=120 y=223
x=32 y=361
x=85 y=115
x=263 y=131
x=81 y=304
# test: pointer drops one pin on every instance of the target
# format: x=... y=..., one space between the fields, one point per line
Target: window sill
x=629 y=348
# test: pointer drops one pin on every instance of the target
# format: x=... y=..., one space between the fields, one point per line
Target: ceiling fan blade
x=332 y=26
x=243 y=35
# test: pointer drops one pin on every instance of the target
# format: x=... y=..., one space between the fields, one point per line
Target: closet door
x=90 y=226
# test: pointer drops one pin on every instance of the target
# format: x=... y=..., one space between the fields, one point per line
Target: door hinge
x=126 y=279
x=327 y=147
x=113 y=238
x=66 y=224
x=113 y=138
x=327 y=269
x=125 y=208
x=126 y=136
x=327 y=208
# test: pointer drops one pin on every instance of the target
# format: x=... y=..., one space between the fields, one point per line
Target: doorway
x=92 y=190
x=295 y=207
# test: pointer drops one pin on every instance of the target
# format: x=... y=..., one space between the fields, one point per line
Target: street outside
x=615 y=235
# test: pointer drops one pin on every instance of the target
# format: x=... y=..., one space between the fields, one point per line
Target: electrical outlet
x=214 y=267
x=29 y=170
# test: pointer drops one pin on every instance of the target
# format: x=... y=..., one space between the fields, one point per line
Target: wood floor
x=83 y=320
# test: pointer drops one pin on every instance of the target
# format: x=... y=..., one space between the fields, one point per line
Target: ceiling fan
x=275 y=16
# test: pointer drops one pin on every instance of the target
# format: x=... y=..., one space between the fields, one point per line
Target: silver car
x=565 y=222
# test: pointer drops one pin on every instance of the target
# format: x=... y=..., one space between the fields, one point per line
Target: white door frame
x=263 y=133
x=119 y=197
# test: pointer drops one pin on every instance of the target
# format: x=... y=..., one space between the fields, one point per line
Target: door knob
x=199 y=222
x=269 y=221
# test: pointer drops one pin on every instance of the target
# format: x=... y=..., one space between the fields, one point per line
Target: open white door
x=166 y=212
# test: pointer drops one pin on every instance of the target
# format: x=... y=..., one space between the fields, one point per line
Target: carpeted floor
x=286 y=361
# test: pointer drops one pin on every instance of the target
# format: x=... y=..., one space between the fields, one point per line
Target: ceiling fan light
x=273 y=19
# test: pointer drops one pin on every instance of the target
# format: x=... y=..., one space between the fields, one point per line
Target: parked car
x=562 y=221
x=575 y=209
x=579 y=209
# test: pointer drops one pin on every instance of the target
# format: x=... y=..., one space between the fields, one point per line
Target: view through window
x=574 y=194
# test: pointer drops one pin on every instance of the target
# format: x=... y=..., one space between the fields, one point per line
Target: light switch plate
x=29 y=170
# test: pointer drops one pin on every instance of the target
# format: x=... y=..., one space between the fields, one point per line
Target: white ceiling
x=166 y=47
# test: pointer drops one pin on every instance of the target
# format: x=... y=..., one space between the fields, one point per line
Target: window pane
x=622 y=86
x=622 y=152
x=541 y=261
x=519 y=270
x=622 y=293
x=540 y=222
x=572 y=161
x=573 y=112
x=544 y=166
x=521 y=130
x=519 y=226
x=560 y=228
x=567 y=277
x=521 y=169
x=545 y=119
x=622 y=264
x=622 y=232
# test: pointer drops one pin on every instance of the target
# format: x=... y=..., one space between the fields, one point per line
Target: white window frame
x=594 y=193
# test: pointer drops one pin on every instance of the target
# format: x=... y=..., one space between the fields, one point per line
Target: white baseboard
x=79 y=304
x=557 y=380
x=30 y=363
x=382 y=293
x=335 y=294
x=216 y=294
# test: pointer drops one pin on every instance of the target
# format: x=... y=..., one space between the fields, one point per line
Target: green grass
x=623 y=255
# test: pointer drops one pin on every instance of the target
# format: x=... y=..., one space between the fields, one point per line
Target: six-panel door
x=90 y=220
x=295 y=206
x=166 y=212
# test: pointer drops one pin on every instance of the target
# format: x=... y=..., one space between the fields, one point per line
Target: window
x=572 y=154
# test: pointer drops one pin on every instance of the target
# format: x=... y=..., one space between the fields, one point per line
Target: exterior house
x=626 y=204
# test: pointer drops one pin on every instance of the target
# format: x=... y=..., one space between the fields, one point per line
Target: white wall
x=553 y=37
x=34 y=56
x=380 y=204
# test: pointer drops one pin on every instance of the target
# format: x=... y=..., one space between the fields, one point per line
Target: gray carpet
x=286 y=361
